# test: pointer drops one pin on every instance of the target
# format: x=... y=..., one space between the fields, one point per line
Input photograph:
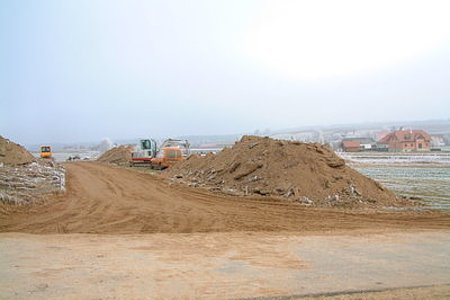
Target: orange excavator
x=166 y=157
x=46 y=152
x=147 y=153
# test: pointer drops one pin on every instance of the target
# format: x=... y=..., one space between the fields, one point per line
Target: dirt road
x=225 y=265
x=104 y=199
x=211 y=246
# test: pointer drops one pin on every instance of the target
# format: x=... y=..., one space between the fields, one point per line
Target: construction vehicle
x=183 y=145
x=144 y=152
x=46 y=152
x=147 y=153
x=171 y=151
x=166 y=157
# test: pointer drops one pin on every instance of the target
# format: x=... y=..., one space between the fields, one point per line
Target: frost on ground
x=424 y=176
x=26 y=184
x=409 y=159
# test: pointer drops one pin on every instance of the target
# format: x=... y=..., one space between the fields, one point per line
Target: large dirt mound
x=119 y=155
x=309 y=173
x=13 y=154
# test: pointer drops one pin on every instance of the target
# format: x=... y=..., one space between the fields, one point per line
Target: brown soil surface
x=311 y=174
x=13 y=154
x=105 y=199
x=231 y=265
x=119 y=155
x=416 y=293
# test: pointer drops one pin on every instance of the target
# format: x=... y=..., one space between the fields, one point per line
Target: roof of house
x=350 y=144
x=361 y=140
x=405 y=136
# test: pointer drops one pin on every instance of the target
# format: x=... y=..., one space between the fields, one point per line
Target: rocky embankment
x=25 y=179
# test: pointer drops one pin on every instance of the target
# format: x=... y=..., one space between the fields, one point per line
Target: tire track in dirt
x=104 y=199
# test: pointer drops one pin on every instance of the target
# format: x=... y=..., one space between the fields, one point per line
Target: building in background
x=350 y=146
x=358 y=144
x=407 y=140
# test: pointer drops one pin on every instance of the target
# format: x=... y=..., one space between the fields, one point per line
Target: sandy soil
x=104 y=199
x=311 y=174
x=13 y=154
x=225 y=266
x=209 y=246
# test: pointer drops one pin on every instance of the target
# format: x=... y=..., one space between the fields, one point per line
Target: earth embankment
x=309 y=173
x=13 y=154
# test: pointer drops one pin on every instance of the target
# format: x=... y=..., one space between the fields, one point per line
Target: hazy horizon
x=412 y=124
x=84 y=70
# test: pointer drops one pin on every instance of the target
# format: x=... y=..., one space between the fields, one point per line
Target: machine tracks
x=105 y=199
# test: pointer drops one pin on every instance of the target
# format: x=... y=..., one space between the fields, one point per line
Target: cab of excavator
x=146 y=145
x=149 y=146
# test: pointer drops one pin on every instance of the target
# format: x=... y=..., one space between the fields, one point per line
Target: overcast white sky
x=84 y=70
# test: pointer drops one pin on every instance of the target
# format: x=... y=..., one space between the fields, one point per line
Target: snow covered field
x=424 y=175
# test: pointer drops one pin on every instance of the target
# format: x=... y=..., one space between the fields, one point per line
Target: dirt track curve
x=104 y=199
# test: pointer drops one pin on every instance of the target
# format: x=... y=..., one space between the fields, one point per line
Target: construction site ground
x=135 y=235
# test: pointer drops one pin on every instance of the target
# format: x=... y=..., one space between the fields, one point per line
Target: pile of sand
x=13 y=154
x=309 y=173
x=119 y=155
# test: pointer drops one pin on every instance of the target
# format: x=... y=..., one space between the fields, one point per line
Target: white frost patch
x=26 y=184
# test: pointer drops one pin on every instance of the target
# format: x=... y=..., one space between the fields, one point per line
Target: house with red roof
x=351 y=146
x=407 y=140
x=358 y=144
